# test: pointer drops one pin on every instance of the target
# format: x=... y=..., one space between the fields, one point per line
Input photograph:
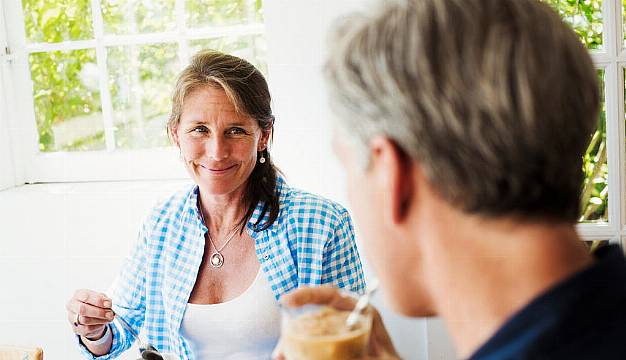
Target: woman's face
x=218 y=145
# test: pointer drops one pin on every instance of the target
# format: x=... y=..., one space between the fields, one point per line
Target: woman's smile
x=219 y=170
x=218 y=144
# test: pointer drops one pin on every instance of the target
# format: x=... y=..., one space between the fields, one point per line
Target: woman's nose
x=217 y=148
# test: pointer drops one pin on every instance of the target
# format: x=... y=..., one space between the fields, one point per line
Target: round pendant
x=217 y=260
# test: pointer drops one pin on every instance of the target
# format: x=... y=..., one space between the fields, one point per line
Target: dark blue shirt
x=582 y=317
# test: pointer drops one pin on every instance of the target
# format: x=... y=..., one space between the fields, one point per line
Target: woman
x=212 y=260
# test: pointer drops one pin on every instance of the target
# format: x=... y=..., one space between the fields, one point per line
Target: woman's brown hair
x=247 y=89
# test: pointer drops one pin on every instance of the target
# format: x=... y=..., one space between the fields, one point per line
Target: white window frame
x=612 y=59
x=111 y=164
x=7 y=166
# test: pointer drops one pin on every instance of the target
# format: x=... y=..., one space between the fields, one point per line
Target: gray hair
x=495 y=99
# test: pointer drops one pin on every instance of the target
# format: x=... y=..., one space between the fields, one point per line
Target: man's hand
x=380 y=344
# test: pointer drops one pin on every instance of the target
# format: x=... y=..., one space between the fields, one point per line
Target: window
x=598 y=24
x=93 y=79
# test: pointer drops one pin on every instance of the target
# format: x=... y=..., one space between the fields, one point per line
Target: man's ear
x=393 y=173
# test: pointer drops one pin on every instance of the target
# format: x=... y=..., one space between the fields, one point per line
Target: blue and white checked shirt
x=310 y=243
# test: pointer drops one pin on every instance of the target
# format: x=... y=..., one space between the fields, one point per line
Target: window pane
x=585 y=16
x=595 y=197
x=67 y=100
x=133 y=16
x=141 y=79
x=250 y=47
x=55 y=21
x=201 y=13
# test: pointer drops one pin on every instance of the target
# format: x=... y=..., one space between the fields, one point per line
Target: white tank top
x=244 y=328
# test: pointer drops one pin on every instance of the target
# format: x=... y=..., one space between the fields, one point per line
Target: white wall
x=55 y=238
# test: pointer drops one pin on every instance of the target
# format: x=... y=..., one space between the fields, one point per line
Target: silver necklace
x=217 y=259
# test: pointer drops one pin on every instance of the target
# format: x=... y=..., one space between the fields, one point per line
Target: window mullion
x=250 y=15
x=620 y=147
x=614 y=84
x=105 y=94
x=589 y=232
x=613 y=145
x=181 y=24
x=61 y=46
x=619 y=27
x=234 y=30
x=610 y=27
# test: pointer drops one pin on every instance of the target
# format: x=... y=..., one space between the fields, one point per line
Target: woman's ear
x=173 y=132
x=263 y=141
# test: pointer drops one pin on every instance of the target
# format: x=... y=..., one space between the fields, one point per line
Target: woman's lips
x=219 y=171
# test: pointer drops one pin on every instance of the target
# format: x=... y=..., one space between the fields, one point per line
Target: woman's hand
x=88 y=312
x=380 y=344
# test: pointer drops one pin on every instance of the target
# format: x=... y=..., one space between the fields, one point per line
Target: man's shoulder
x=595 y=327
x=602 y=338
x=581 y=317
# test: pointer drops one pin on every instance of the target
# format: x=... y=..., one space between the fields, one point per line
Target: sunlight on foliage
x=66 y=85
x=585 y=17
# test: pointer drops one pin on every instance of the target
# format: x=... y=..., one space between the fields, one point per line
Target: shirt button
x=266 y=256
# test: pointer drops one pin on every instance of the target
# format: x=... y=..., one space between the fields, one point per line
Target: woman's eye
x=237 y=131
x=199 y=129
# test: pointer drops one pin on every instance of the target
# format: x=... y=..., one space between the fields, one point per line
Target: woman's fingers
x=88 y=311
x=89 y=331
x=93 y=298
x=90 y=314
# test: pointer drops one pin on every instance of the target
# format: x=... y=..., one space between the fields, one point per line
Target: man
x=462 y=125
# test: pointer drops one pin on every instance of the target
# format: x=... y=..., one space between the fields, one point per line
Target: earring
x=262 y=158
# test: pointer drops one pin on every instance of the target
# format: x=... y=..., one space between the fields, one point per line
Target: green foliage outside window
x=57 y=90
x=62 y=90
x=585 y=17
x=201 y=13
x=59 y=95
x=66 y=85
x=57 y=20
x=133 y=17
x=140 y=93
x=594 y=197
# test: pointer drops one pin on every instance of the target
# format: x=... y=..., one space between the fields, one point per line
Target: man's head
x=494 y=101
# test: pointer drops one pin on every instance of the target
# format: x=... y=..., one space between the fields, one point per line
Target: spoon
x=361 y=304
x=148 y=352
